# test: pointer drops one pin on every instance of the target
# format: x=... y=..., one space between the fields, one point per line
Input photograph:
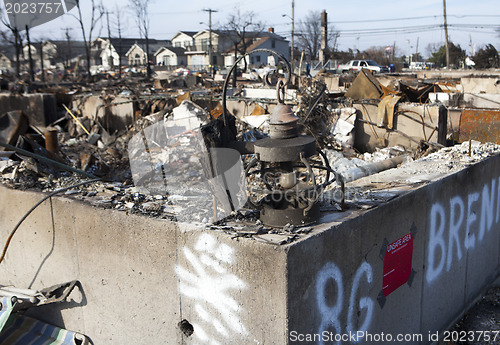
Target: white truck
x=358 y=65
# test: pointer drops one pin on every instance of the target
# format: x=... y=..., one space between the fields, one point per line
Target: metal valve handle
x=226 y=82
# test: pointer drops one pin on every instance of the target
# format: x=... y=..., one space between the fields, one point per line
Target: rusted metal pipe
x=51 y=143
x=47 y=160
x=372 y=168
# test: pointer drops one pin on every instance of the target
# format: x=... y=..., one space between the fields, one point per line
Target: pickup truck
x=358 y=65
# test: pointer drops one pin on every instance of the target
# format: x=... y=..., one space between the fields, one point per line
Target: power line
x=414 y=29
x=404 y=28
x=174 y=13
x=411 y=18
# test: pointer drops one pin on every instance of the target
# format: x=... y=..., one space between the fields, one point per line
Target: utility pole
x=32 y=71
x=110 y=59
x=209 y=10
x=293 y=34
x=119 y=32
x=409 y=52
x=472 y=52
x=324 y=39
x=416 y=51
x=446 y=36
x=68 y=60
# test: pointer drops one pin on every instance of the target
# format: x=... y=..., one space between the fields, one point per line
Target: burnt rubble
x=94 y=134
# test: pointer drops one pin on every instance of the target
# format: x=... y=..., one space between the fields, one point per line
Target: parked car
x=358 y=65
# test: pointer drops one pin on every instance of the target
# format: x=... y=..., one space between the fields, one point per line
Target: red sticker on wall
x=397 y=264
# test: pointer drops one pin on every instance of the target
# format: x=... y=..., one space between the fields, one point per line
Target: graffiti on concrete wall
x=455 y=227
x=357 y=304
x=210 y=287
x=460 y=225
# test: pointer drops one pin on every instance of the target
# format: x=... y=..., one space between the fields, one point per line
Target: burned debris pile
x=148 y=144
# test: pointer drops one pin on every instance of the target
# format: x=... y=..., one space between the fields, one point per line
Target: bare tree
x=309 y=34
x=241 y=28
x=141 y=11
x=241 y=25
x=13 y=36
x=67 y=58
x=378 y=54
x=96 y=13
x=432 y=48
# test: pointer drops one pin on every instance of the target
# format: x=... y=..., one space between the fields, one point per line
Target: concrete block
x=115 y=114
x=332 y=83
x=481 y=84
x=241 y=108
x=455 y=74
x=40 y=108
x=266 y=93
x=446 y=98
x=141 y=276
x=461 y=243
x=440 y=309
x=482 y=100
x=408 y=120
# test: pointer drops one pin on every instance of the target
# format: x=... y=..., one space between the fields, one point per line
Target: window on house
x=137 y=59
x=257 y=58
x=204 y=44
x=273 y=43
x=178 y=44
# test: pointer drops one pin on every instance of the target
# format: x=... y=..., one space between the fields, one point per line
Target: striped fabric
x=5 y=310
x=23 y=330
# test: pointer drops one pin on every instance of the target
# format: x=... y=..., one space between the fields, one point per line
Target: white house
x=5 y=62
x=198 y=56
x=136 y=54
x=197 y=48
x=108 y=53
x=171 y=56
x=261 y=40
x=26 y=49
x=183 y=39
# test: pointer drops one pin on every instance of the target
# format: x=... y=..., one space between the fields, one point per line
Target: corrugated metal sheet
x=480 y=125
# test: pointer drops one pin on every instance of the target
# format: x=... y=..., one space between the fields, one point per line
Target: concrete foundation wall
x=114 y=114
x=40 y=108
x=455 y=228
x=437 y=73
x=410 y=124
x=480 y=85
x=483 y=100
x=141 y=276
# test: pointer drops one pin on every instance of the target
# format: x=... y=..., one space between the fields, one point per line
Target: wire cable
x=7 y=243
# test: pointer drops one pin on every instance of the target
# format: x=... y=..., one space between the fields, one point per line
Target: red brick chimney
x=271 y=30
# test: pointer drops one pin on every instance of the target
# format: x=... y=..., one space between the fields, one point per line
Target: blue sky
x=362 y=23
